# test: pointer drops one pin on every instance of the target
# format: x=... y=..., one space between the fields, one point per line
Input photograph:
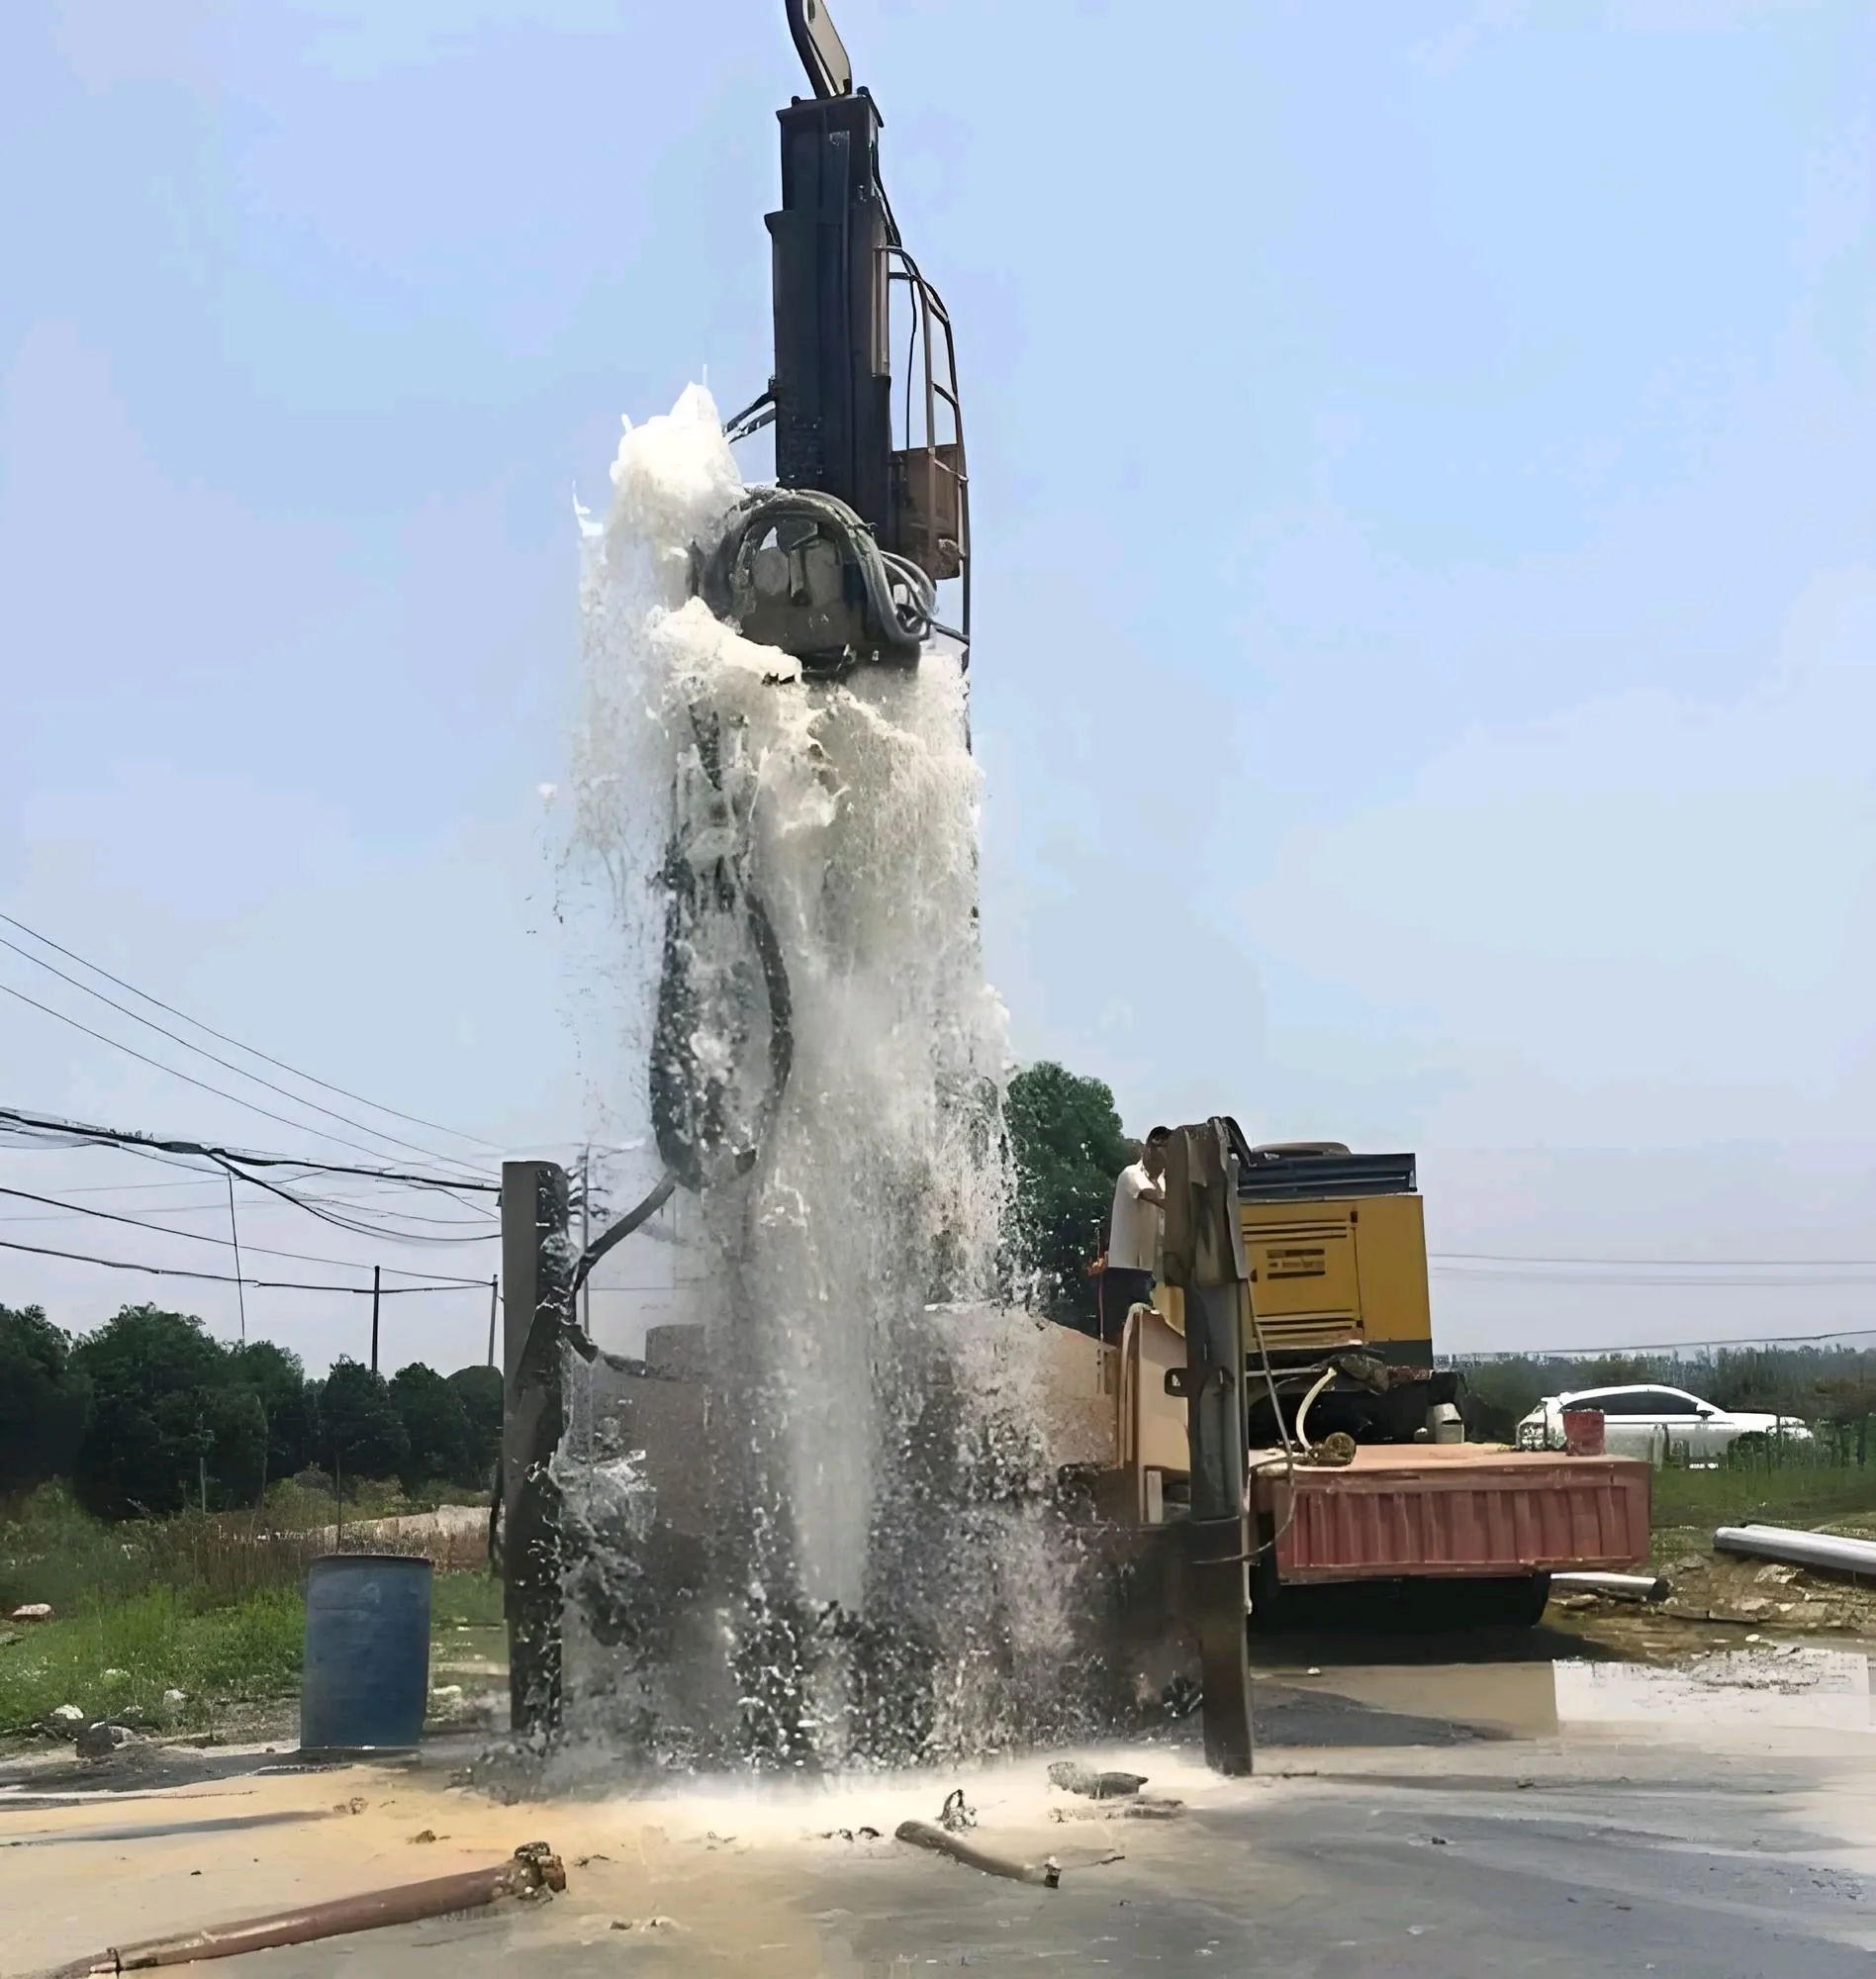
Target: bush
x=45 y=1400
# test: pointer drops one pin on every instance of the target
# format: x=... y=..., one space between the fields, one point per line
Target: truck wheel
x=1515 y=1603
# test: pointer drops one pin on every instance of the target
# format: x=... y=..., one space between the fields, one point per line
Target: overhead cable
x=220 y=1243
x=196 y=1023
x=226 y=1064
x=77 y=1133
x=189 y=1079
x=223 y=1279
x=1669 y=1346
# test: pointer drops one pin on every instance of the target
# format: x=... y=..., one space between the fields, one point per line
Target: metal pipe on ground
x=1619 y=1586
x=1799 y=1548
x=925 y=1834
x=530 y=1872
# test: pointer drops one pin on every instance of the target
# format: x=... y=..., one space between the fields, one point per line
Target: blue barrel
x=367 y=1653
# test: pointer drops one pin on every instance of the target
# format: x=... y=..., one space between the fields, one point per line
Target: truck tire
x=1517 y=1602
x=1443 y=1607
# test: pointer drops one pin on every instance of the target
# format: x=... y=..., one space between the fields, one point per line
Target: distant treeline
x=150 y=1414
x=1817 y=1383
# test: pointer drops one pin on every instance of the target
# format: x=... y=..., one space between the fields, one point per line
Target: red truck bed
x=1458 y=1509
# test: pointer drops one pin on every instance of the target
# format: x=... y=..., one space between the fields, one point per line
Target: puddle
x=1791 y=1685
x=1770 y=1685
x=1501 y=1699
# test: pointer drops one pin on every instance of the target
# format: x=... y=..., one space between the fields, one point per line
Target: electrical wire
x=221 y=1243
x=188 y=1078
x=1640 y=1280
x=1670 y=1345
x=196 y=1023
x=229 y=1064
x=387 y=1227
x=51 y=1128
x=1667 y=1264
x=222 y=1279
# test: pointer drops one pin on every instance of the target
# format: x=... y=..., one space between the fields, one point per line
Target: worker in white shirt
x=1133 y=1236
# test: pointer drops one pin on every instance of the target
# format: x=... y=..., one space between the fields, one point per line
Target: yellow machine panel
x=1327 y=1274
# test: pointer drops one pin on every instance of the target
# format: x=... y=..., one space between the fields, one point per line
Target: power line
x=1717 y=1264
x=196 y=1023
x=53 y=1128
x=222 y=1279
x=213 y=1201
x=226 y=1064
x=1669 y=1346
x=220 y=1243
x=189 y=1079
x=1631 y=1282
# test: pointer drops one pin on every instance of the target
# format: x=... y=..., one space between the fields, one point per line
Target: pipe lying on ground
x=1620 y=1586
x=924 y=1835
x=1822 y=1550
x=529 y=1872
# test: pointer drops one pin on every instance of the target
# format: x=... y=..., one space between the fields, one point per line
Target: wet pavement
x=1424 y=1808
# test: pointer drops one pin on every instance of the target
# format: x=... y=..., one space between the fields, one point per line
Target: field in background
x=211 y=1607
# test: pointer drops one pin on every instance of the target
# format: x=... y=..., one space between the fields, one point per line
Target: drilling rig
x=857 y=555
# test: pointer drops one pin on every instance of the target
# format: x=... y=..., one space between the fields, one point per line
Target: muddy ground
x=1681 y=1789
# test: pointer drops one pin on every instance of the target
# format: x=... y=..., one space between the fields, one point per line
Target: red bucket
x=1583 y=1431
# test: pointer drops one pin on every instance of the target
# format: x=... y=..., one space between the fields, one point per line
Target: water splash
x=829 y=1541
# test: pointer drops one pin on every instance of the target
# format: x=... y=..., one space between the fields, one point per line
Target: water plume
x=843 y=1552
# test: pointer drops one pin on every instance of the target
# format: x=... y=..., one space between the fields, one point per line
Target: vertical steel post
x=537 y=1269
x=1204 y=1256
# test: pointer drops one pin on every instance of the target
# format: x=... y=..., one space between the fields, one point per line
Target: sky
x=1424 y=665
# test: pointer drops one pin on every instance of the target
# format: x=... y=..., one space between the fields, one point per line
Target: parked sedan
x=1647 y=1421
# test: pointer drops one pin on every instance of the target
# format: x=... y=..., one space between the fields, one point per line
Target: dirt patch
x=1718 y=1597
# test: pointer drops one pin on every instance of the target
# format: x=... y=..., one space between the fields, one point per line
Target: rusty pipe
x=530 y=1872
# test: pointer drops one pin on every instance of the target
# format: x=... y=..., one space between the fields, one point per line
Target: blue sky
x=1426 y=626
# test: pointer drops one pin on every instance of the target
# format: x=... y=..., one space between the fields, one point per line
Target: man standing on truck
x=1133 y=1236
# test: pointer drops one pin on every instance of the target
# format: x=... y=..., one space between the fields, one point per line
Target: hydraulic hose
x=687 y=1100
x=726 y=582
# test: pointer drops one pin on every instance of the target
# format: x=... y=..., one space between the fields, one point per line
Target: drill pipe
x=529 y=1872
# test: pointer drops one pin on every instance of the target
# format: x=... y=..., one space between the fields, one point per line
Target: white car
x=1647 y=1421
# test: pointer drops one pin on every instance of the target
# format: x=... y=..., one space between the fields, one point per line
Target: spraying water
x=864 y=1567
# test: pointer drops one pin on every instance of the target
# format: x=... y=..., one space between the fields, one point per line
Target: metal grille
x=1309 y=1329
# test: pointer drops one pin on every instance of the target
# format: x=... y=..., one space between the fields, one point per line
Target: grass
x=117 y=1659
x=1794 y=1496
x=211 y=1607
x=469 y=1600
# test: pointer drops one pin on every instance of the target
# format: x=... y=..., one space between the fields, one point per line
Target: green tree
x=45 y=1400
x=479 y=1389
x=167 y=1411
x=436 y=1434
x=288 y=1400
x=360 y=1434
x=1068 y=1147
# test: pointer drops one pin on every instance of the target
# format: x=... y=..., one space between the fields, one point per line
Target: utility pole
x=1204 y=1255
x=536 y=1268
x=494 y=1299
x=240 y=1293
x=375 y=1281
x=586 y=1234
